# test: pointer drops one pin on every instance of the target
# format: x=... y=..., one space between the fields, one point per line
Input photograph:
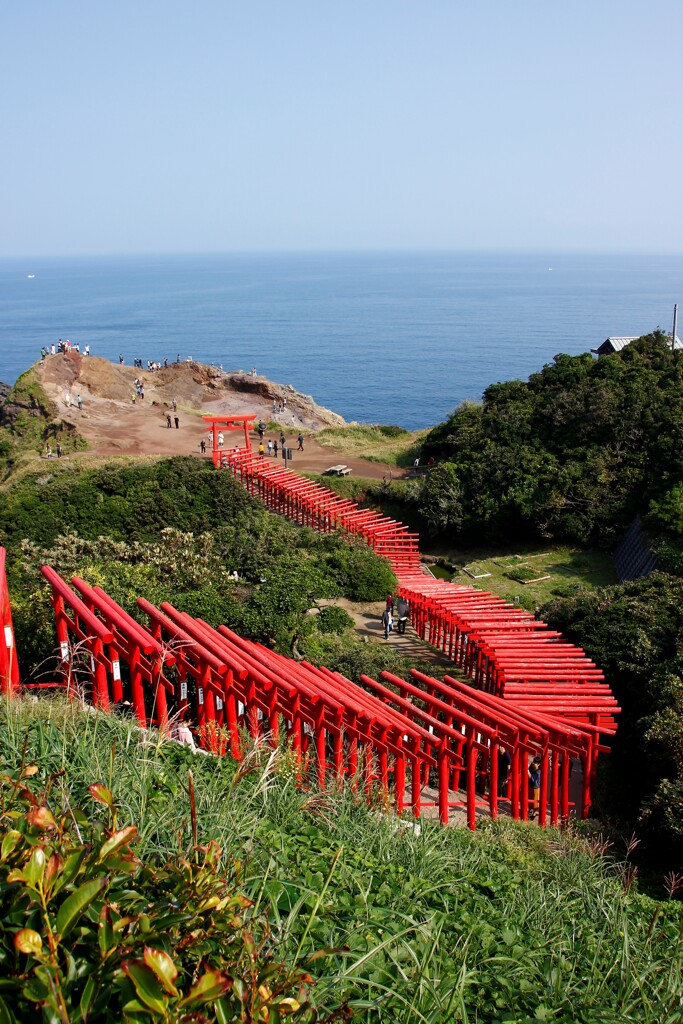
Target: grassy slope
x=569 y=567
x=34 y=422
x=508 y=924
x=391 y=445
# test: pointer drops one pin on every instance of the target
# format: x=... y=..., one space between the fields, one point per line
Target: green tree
x=576 y=451
x=441 y=499
x=635 y=634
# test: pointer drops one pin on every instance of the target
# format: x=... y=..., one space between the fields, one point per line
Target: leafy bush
x=333 y=619
x=667 y=513
x=388 y=430
x=360 y=574
x=442 y=499
x=91 y=932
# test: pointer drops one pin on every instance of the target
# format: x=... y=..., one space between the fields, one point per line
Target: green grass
x=569 y=567
x=407 y=926
x=376 y=443
x=36 y=422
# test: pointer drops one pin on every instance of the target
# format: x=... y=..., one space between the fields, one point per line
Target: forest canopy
x=573 y=453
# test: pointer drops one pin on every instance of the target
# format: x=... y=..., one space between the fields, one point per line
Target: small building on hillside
x=611 y=345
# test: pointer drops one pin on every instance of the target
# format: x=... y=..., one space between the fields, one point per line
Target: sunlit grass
x=391 y=445
x=407 y=925
x=570 y=570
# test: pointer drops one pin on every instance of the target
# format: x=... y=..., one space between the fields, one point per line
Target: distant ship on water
x=29 y=276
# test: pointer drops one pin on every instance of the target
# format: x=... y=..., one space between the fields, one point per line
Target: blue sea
x=378 y=337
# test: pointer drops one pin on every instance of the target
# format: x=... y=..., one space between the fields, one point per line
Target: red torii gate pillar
x=218 y=424
x=9 y=668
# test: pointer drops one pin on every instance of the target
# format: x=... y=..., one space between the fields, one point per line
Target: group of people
x=533 y=773
x=63 y=347
x=401 y=608
x=151 y=364
x=272 y=447
x=58 y=450
x=69 y=401
x=430 y=463
x=139 y=390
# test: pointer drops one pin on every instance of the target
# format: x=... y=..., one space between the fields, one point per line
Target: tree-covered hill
x=574 y=452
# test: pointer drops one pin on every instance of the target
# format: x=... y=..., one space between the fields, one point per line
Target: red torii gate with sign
x=218 y=424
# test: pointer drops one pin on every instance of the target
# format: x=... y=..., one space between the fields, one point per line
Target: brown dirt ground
x=115 y=425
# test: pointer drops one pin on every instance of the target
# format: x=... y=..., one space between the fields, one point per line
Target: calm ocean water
x=380 y=338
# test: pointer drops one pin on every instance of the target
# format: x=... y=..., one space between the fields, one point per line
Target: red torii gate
x=503 y=648
x=399 y=735
x=9 y=668
x=218 y=424
x=538 y=694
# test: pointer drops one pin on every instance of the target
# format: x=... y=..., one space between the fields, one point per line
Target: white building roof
x=617 y=344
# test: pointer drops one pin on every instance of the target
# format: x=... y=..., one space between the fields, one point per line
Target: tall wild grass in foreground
x=410 y=924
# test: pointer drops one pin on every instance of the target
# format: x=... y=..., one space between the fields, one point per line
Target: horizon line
x=320 y=251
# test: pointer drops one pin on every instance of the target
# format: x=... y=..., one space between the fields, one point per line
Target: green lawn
x=560 y=570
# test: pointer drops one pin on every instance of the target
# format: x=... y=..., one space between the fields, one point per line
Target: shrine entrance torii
x=219 y=424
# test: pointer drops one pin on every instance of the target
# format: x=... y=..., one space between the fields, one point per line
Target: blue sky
x=369 y=124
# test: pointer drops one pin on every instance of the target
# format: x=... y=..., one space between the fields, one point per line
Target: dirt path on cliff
x=114 y=424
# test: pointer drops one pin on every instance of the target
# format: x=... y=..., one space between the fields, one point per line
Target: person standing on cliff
x=168 y=420
x=175 y=405
x=79 y=402
x=177 y=422
x=300 y=439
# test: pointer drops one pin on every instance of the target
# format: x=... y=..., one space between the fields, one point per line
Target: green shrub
x=333 y=619
x=91 y=932
x=360 y=574
x=388 y=430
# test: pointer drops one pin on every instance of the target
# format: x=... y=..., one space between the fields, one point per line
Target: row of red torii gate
x=415 y=743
